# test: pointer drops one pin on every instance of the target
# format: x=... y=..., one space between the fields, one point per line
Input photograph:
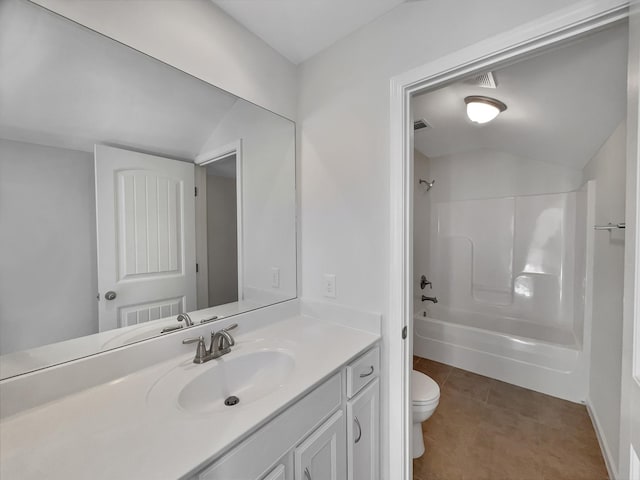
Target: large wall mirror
x=130 y=192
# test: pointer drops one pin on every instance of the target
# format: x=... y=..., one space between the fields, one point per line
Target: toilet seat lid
x=423 y=389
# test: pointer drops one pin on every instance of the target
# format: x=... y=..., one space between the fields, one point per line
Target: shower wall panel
x=510 y=256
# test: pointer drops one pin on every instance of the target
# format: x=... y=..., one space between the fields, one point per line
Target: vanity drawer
x=255 y=456
x=362 y=370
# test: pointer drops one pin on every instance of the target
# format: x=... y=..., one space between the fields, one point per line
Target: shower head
x=427 y=183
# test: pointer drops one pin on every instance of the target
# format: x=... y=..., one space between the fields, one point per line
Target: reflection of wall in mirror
x=268 y=209
x=222 y=240
x=47 y=245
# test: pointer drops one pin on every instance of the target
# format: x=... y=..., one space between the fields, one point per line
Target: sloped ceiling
x=64 y=86
x=299 y=29
x=562 y=105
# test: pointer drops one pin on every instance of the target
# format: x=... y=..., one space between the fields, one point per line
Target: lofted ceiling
x=299 y=29
x=562 y=104
x=65 y=86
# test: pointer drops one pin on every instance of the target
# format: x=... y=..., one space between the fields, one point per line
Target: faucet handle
x=424 y=282
x=201 y=351
x=230 y=327
x=193 y=340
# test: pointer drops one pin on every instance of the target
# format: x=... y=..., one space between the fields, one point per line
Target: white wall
x=343 y=109
x=343 y=115
x=222 y=240
x=197 y=37
x=268 y=197
x=48 y=243
x=489 y=173
x=344 y=131
x=608 y=168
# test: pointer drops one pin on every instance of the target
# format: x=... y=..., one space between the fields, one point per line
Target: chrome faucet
x=187 y=319
x=429 y=299
x=221 y=343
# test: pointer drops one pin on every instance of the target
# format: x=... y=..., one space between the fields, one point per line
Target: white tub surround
x=133 y=426
x=550 y=368
x=508 y=257
x=514 y=279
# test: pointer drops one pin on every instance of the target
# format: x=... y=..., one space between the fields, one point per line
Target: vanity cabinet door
x=276 y=474
x=322 y=456
x=363 y=421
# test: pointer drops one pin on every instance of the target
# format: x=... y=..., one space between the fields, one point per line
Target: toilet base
x=418 y=441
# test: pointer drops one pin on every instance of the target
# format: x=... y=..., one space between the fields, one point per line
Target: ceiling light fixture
x=483 y=109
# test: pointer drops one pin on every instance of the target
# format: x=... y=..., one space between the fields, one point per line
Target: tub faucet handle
x=424 y=282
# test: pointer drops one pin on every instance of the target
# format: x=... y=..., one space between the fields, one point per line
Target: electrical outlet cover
x=329 y=285
x=275 y=277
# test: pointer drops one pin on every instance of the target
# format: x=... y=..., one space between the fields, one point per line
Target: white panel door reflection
x=146 y=247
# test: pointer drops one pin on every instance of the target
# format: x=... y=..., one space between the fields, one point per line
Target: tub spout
x=429 y=299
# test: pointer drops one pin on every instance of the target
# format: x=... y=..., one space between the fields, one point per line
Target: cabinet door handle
x=307 y=475
x=362 y=375
x=355 y=419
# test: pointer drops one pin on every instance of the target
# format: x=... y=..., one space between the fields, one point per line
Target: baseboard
x=606 y=453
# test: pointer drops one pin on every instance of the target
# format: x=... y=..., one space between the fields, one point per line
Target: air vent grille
x=420 y=124
x=484 y=80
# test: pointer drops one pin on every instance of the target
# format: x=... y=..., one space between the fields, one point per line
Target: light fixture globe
x=483 y=109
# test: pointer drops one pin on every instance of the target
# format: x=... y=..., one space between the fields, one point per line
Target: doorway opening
x=487 y=56
x=522 y=272
x=219 y=226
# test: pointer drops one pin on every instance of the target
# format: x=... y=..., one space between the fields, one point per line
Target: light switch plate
x=275 y=277
x=329 y=285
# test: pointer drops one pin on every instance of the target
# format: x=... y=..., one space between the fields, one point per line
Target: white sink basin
x=249 y=377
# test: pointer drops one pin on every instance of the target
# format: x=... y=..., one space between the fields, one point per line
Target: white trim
x=634 y=468
x=219 y=153
x=233 y=148
x=240 y=216
x=549 y=30
x=202 y=253
x=604 y=448
x=630 y=386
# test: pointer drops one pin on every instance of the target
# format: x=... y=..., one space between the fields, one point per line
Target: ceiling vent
x=420 y=124
x=484 y=80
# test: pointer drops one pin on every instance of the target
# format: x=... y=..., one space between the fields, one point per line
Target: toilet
x=425 y=395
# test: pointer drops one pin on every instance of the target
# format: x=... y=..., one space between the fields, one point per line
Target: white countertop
x=24 y=361
x=114 y=431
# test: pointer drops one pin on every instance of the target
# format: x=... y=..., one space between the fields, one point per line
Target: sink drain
x=231 y=401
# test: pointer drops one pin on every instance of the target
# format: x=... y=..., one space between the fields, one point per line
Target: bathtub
x=529 y=354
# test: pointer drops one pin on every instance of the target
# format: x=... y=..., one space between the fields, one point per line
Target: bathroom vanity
x=169 y=214
x=332 y=430
x=308 y=409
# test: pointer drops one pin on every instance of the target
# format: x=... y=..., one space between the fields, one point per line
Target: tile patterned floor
x=485 y=429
